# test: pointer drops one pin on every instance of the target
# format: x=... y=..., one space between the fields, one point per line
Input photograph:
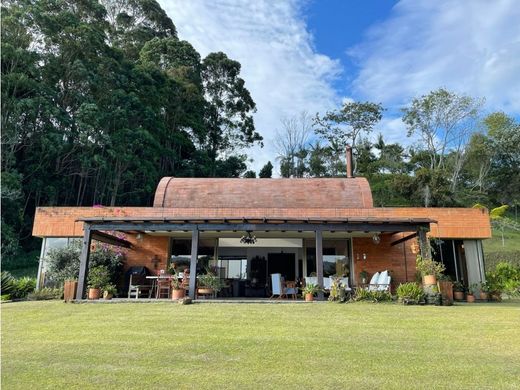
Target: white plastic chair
x=276 y=285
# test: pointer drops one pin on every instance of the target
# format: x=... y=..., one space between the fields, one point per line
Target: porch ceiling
x=349 y=225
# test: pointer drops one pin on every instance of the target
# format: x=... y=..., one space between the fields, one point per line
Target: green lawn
x=252 y=346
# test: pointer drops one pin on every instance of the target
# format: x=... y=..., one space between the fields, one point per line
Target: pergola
x=96 y=228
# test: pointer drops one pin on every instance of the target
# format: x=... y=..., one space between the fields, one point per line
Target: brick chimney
x=349 y=162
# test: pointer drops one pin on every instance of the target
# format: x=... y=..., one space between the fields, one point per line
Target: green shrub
x=505 y=278
x=23 y=286
x=410 y=293
x=45 y=294
x=372 y=296
x=63 y=263
x=8 y=283
x=429 y=267
x=98 y=277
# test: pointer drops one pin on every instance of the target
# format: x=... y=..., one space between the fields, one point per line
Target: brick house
x=311 y=226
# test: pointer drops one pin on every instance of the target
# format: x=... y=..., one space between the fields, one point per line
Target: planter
x=496 y=296
x=446 y=290
x=470 y=298
x=429 y=280
x=108 y=296
x=205 y=291
x=178 y=294
x=69 y=290
x=458 y=295
x=309 y=297
x=484 y=296
x=94 y=293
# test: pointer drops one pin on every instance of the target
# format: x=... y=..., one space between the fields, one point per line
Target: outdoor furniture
x=163 y=287
x=290 y=289
x=380 y=282
x=137 y=286
x=276 y=285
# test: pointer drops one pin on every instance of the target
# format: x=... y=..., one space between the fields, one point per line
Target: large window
x=232 y=267
x=336 y=259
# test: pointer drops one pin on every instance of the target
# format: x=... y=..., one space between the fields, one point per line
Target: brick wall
x=383 y=257
x=451 y=222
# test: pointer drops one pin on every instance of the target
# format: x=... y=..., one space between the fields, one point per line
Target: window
x=232 y=267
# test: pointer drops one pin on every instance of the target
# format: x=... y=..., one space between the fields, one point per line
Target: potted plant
x=429 y=270
x=484 y=291
x=309 y=291
x=470 y=296
x=363 y=275
x=178 y=291
x=109 y=291
x=458 y=291
x=98 y=277
x=209 y=284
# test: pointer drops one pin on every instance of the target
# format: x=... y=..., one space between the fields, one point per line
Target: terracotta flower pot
x=178 y=294
x=470 y=298
x=94 y=293
x=309 y=297
x=484 y=296
x=458 y=295
x=495 y=296
x=429 y=280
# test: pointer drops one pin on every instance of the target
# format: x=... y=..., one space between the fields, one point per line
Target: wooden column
x=424 y=245
x=83 y=264
x=319 y=261
x=193 y=262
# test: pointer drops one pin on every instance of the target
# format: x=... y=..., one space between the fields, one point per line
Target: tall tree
x=267 y=171
x=344 y=126
x=229 y=108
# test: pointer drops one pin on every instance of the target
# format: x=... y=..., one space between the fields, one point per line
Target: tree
x=344 y=126
x=500 y=220
x=229 y=108
x=250 y=174
x=267 y=171
x=444 y=121
x=291 y=142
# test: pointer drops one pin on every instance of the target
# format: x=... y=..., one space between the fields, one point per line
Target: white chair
x=344 y=284
x=327 y=283
x=381 y=283
x=276 y=285
x=372 y=286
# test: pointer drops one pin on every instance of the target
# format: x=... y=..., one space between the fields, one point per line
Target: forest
x=100 y=99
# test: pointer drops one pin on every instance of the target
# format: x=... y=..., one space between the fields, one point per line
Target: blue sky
x=311 y=55
x=338 y=25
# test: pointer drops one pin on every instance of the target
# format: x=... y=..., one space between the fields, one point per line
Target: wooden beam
x=83 y=263
x=424 y=245
x=319 y=261
x=364 y=227
x=110 y=239
x=193 y=262
x=405 y=238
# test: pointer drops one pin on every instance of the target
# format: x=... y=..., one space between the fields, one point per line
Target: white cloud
x=282 y=69
x=470 y=47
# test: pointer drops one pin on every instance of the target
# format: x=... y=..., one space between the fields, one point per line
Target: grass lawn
x=252 y=346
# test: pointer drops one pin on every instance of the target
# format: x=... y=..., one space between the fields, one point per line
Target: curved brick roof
x=263 y=193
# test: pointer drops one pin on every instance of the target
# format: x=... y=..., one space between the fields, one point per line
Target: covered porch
x=295 y=246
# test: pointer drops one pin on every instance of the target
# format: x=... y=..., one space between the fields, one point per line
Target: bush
x=98 y=277
x=8 y=283
x=63 y=263
x=16 y=288
x=429 y=267
x=410 y=293
x=45 y=294
x=372 y=296
x=23 y=286
x=505 y=278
